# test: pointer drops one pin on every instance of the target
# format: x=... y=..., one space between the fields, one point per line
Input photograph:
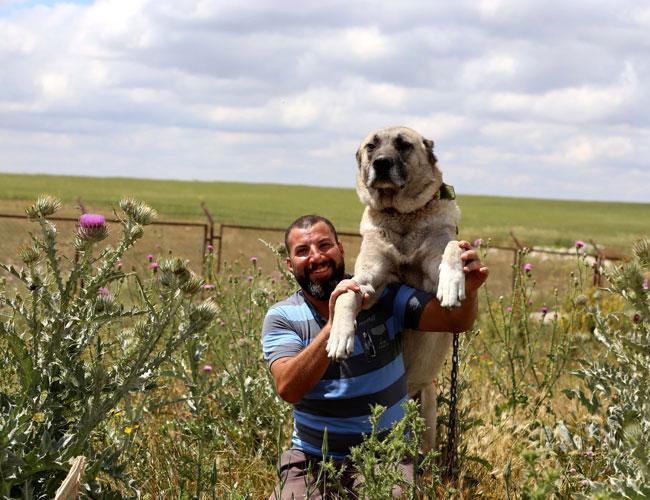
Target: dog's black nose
x=382 y=164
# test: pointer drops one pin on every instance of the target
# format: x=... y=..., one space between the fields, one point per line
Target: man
x=337 y=396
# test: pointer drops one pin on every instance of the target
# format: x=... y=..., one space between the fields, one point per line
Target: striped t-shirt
x=373 y=374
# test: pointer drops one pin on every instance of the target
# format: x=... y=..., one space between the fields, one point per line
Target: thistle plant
x=532 y=350
x=616 y=387
x=74 y=350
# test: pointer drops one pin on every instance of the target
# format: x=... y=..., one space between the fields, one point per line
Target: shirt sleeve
x=279 y=339
x=408 y=306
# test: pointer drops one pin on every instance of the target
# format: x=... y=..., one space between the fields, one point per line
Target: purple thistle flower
x=254 y=260
x=209 y=286
x=92 y=221
x=207 y=368
x=250 y=279
x=154 y=266
x=636 y=318
x=150 y=258
x=478 y=242
x=103 y=291
x=119 y=264
x=528 y=267
x=579 y=244
x=509 y=309
x=210 y=249
x=544 y=310
x=645 y=284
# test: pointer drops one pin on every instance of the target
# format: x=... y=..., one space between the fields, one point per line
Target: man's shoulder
x=295 y=299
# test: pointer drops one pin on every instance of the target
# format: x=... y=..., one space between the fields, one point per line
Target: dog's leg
x=429 y=411
x=372 y=272
x=341 y=340
x=451 y=280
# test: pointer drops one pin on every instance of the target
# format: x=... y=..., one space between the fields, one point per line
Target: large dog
x=409 y=232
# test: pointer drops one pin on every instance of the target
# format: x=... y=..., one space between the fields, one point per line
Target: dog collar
x=446 y=192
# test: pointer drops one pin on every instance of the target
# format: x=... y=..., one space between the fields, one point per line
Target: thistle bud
x=45 y=205
x=29 y=254
x=138 y=211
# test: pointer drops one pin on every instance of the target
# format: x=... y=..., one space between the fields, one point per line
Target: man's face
x=316 y=259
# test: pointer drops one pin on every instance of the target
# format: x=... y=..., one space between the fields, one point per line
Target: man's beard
x=322 y=291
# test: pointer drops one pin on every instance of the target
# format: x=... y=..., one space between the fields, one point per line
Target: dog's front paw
x=451 y=284
x=341 y=341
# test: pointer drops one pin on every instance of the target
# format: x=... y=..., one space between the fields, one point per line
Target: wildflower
x=103 y=291
x=249 y=278
x=210 y=249
x=119 y=264
x=478 y=242
x=509 y=309
x=254 y=260
x=92 y=221
x=589 y=453
x=579 y=244
x=645 y=284
x=154 y=266
x=528 y=267
x=39 y=417
x=207 y=368
x=636 y=318
x=584 y=483
x=572 y=471
x=92 y=227
x=150 y=258
x=128 y=430
x=544 y=310
x=209 y=286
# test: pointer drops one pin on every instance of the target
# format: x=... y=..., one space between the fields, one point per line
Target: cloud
x=520 y=97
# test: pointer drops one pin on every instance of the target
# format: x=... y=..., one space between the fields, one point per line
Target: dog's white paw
x=341 y=341
x=451 y=284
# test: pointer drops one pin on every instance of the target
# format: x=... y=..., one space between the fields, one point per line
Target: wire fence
x=236 y=244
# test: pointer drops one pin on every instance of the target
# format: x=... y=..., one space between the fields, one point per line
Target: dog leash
x=451 y=433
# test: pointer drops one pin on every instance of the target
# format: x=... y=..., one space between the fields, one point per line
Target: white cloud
x=513 y=93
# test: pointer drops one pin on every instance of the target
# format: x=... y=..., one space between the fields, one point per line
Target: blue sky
x=522 y=98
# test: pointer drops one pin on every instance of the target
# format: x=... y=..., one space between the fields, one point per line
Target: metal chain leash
x=451 y=433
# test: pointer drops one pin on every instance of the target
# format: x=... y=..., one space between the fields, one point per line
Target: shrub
x=78 y=342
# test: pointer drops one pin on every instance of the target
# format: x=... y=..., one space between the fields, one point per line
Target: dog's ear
x=428 y=145
x=358 y=155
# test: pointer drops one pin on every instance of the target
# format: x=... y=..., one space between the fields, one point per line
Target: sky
x=546 y=99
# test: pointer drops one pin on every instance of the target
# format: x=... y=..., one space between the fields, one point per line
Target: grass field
x=538 y=222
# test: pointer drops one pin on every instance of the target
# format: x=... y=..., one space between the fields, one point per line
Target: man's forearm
x=436 y=318
x=296 y=376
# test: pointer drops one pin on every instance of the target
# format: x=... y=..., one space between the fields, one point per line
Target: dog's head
x=396 y=170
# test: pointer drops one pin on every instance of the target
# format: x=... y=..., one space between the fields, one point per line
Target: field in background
x=538 y=222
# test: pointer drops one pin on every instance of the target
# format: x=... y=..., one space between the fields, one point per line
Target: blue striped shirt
x=374 y=374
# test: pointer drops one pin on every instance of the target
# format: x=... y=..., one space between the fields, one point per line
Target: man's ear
x=340 y=244
x=289 y=265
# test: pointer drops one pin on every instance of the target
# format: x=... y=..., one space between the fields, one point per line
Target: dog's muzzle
x=384 y=174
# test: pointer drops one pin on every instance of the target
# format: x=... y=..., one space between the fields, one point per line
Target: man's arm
x=295 y=376
x=435 y=318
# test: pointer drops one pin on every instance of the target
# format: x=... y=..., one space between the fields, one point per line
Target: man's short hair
x=305 y=222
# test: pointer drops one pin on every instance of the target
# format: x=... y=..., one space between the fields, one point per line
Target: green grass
x=535 y=221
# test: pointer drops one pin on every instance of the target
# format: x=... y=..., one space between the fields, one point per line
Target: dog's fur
x=408 y=237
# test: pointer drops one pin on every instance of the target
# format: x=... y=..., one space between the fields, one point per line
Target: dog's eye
x=370 y=146
x=402 y=145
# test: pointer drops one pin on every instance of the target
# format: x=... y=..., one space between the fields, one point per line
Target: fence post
x=597 y=265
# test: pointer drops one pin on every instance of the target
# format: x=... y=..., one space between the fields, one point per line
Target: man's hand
x=475 y=272
x=343 y=287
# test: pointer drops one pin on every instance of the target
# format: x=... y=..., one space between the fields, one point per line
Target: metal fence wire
x=236 y=244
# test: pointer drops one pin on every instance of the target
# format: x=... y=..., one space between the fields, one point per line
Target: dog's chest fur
x=411 y=239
